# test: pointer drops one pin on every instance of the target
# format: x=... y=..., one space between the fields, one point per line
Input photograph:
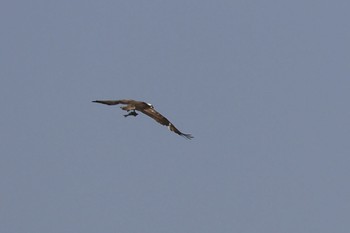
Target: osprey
x=146 y=108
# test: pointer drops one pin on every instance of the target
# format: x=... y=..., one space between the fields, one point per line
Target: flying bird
x=131 y=106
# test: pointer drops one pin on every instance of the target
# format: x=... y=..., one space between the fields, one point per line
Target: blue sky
x=263 y=86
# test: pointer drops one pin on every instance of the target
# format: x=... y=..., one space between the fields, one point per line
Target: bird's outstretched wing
x=113 y=102
x=151 y=112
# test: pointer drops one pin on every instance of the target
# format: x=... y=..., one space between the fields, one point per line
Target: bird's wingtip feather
x=187 y=136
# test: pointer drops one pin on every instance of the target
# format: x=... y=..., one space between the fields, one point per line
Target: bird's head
x=150 y=105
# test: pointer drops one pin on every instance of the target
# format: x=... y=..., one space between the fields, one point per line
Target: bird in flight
x=131 y=106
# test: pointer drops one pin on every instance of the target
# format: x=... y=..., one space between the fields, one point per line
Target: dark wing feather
x=151 y=112
x=113 y=102
x=155 y=115
x=174 y=129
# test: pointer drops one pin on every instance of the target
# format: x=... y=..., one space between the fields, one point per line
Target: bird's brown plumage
x=147 y=109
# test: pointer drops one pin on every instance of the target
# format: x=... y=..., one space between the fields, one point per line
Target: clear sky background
x=263 y=86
